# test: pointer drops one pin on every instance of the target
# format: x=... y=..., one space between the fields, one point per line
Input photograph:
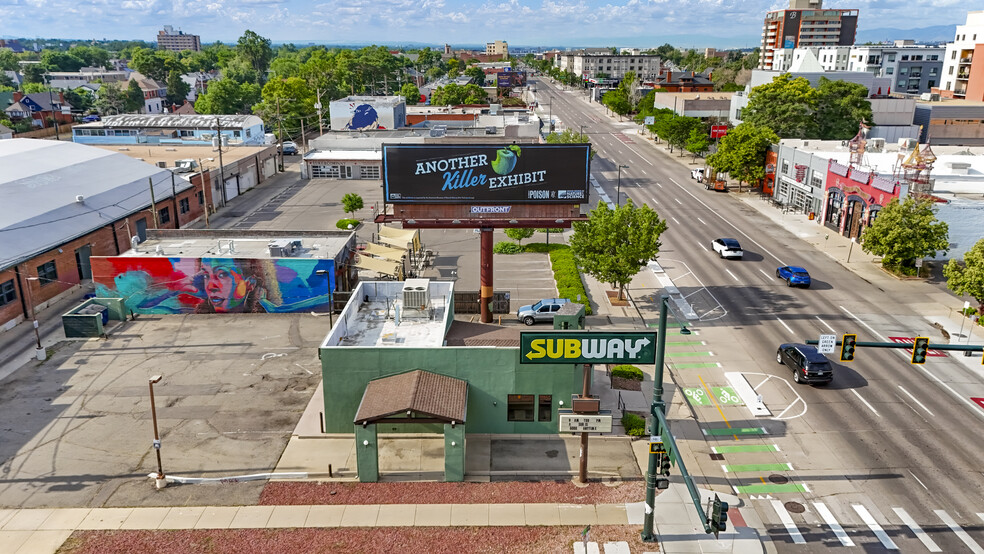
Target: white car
x=727 y=248
x=697 y=174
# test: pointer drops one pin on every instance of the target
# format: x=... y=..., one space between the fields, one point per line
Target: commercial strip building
x=226 y=271
x=805 y=23
x=177 y=41
x=819 y=178
x=172 y=129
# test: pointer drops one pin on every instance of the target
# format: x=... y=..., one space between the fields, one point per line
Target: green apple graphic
x=505 y=159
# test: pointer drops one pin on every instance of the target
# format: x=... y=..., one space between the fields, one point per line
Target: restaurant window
x=520 y=407
x=545 y=408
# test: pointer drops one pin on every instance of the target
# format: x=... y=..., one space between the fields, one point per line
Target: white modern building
x=588 y=64
x=962 y=77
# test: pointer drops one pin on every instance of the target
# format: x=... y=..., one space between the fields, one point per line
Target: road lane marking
x=787 y=521
x=659 y=185
x=822 y=321
x=916 y=401
x=870 y=407
x=732 y=275
x=828 y=517
x=702 y=246
x=959 y=532
x=716 y=405
x=869 y=520
x=767 y=276
x=736 y=468
x=674 y=220
x=747 y=448
x=929 y=543
x=701 y=221
x=677 y=200
x=771 y=488
x=917 y=479
x=786 y=326
x=735 y=431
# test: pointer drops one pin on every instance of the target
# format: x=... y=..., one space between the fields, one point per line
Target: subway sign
x=501 y=174
x=586 y=347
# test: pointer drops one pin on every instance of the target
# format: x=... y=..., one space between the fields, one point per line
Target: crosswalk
x=854 y=524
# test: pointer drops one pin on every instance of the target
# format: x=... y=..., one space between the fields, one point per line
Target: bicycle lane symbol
x=726 y=395
x=697 y=396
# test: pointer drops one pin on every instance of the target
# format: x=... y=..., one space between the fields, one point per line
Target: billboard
x=486 y=173
x=161 y=285
x=358 y=114
x=511 y=79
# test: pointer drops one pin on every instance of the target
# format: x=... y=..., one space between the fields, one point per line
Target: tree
x=569 y=136
x=785 y=105
x=906 y=231
x=967 y=277
x=285 y=102
x=454 y=67
x=80 y=99
x=8 y=60
x=613 y=245
x=698 y=142
x=177 y=89
x=134 y=97
x=477 y=75
x=841 y=107
x=617 y=101
x=226 y=96
x=112 y=100
x=351 y=203
x=742 y=153
x=33 y=73
x=520 y=233
x=256 y=50
x=453 y=94
x=678 y=130
x=53 y=60
x=411 y=93
x=149 y=63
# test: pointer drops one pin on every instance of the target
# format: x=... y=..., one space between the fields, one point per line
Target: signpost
x=718 y=131
x=827 y=344
x=587 y=347
x=585 y=423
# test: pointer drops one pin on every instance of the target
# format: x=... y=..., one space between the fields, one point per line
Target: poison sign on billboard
x=486 y=173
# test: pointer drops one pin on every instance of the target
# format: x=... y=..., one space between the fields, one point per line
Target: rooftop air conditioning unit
x=162 y=164
x=876 y=145
x=416 y=294
x=284 y=248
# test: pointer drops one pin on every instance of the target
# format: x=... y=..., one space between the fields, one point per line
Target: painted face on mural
x=225 y=286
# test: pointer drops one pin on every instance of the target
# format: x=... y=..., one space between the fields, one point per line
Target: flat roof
x=362 y=155
x=376 y=316
x=173 y=121
x=204 y=154
x=205 y=244
x=374 y=100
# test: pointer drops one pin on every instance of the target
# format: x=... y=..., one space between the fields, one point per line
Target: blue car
x=90 y=118
x=794 y=276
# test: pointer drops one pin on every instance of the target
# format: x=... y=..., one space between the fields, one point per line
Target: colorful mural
x=364 y=117
x=158 y=285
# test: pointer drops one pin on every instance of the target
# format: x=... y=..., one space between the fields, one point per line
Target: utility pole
x=317 y=106
x=218 y=127
x=153 y=201
x=280 y=147
x=201 y=178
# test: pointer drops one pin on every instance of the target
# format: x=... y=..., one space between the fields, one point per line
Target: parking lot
x=77 y=429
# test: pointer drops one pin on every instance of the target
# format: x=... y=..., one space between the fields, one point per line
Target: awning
x=428 y=397
x=379 y=251
x=399 y=237
x=380 y=265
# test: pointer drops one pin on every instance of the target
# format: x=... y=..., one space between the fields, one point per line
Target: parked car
x=807 y=364
x=697 y=174
x=794 y=276
x=727 y=248
x=288 y=147
x=91 y=118
x=544 y=310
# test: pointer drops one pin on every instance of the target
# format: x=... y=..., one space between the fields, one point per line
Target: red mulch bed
x=613 y=298
x=622 y=383
x=432 y=540
x=292 y=493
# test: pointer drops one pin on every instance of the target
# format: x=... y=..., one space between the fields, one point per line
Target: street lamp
x=160 y=481
x=618 y=193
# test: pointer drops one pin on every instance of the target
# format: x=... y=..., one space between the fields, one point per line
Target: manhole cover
x=717 y=457
x=794 y=507
x=778 y=479
x=552 y=453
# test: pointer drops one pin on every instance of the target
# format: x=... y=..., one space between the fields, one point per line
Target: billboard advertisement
x=161 y=285
x=511 y=79
x=366 y=115
x=486 y=173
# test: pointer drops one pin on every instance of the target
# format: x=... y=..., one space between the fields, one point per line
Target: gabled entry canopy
x=428 y=397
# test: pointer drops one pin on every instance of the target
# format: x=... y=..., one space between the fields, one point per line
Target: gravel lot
x=303 y=493
x=432 y=540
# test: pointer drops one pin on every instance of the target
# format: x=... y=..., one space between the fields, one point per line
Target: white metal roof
x=40 y=181
x=345 y=155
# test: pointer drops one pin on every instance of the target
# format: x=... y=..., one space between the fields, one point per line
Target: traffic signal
x=664 y=465
x=848 y=343
x=662 y=472
x=719 y=516
x=919 y=349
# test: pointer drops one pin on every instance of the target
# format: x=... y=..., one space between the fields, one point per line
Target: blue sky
x=641 y=23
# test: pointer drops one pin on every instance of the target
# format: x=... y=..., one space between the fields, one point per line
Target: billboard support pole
x=485 y=285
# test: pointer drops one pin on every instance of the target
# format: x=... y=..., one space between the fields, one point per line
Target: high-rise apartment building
x=805 y=23
x=963 y=64
x=497 y=48
x=169 y=39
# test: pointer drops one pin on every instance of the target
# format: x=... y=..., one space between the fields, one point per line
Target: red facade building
x=854 y=197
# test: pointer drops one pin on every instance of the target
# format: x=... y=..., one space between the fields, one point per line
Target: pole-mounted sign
x=585 y=347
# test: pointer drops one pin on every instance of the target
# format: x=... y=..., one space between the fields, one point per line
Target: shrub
x=344 y=223
x=568 y=278
x=627 y=372
x=634 y=425
x=505 y=247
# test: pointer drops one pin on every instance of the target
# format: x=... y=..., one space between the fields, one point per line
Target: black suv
x=807 y=365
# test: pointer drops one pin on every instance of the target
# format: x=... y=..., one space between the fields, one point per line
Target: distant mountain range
x=923 y=35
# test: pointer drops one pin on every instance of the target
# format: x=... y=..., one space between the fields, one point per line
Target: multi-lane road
x=889 y=456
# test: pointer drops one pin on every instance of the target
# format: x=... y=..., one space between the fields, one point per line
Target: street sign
x=583 y=423
x=650 y=119
x=657 y=448
x=718 y=131
x=827 y=344
x=587 y=347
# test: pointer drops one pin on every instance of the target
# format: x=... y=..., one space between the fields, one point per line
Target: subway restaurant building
x=396 y=361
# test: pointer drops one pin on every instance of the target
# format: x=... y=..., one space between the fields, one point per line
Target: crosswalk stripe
x=869 y=520
x=980 y=515
x=957 y=530
x=828 y=517
x=929 y=543
x=787 y=521
x=619 y=547
x=590 y=548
